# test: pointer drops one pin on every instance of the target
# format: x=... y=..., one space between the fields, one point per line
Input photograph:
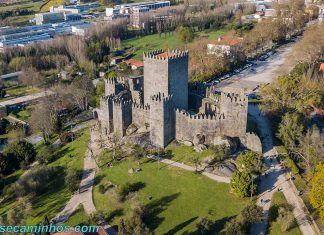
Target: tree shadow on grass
x=155 y=208
x=216 y=228
x=180 y=226
x=115 y=213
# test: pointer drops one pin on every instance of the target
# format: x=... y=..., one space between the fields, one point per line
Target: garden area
x=174 y=200
x=54 y=193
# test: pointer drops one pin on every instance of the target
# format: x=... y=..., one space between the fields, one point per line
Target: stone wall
x=187 y=126
x=140 y=114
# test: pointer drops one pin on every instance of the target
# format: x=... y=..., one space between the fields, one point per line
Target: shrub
x=67 y=137
x=286 y=219
x=234 y=227
x=101 y=189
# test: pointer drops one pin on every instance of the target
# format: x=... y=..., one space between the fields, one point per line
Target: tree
x=250 y=161
x=2 y=92
x=204 y=225
x=31 y=77
x=185 y=34
x=72 y=180
x=316 y=194
x=22 y=152
x=234 y=227
x=4 y=123
x=290 y=129
x=252 y=214
x=286 y=219
x=241 y=183
x=44 y=117
x=220 y=152
x=196 y=161
x=18 y=214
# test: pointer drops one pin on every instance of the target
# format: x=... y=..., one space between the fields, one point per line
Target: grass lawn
x=179 y=198
x=279 y=199
x=165 y=41
x=28 y=5
x=69 y=156
x=19 y=91
x=186 y=153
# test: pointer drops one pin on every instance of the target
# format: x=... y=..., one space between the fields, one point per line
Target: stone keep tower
x=166 y=72
x=235 y=108
x=162 y=121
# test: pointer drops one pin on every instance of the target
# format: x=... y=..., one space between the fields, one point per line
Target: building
x=49 y=18
x=75 y=9
x=21 y=36
x=135 y=64
x=156 y=106
x=227 y=46
x=134 y=11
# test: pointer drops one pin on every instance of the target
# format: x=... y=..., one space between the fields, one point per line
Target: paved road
x=262 y=72
x=276 y=179
x=26 y=98
x=190 y=168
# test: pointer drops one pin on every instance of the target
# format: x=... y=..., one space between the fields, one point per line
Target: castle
x=158 y=103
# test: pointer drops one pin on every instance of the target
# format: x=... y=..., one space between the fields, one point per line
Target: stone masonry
x=158 y=103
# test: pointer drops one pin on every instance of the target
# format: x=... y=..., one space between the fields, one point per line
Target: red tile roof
x=322 y=67
x=136 y=63
x=166 y=54
x=227 y=40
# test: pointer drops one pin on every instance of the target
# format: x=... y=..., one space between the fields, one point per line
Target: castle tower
x=161 y=120
x=166 y=72
x=234 y=105
x=122 y=116
x=106 y=115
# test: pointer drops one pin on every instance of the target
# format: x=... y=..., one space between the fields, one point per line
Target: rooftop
x=136 y=63
x=227 y=40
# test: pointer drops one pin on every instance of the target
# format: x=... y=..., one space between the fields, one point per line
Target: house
x=135 y=64
x=225 y=46
x=116 y=60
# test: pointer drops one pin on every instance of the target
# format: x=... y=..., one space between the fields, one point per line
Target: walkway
x=84 y=193
x=276 y=179
x=191 y=168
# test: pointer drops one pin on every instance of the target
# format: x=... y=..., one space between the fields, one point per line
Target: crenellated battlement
x=122 y=102
x=142 y=107
x=161 y=98
x=182 y=113
x=234 y=97
x=165 y=55
x=116 y=80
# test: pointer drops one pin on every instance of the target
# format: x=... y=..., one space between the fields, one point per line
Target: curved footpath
x=276 y=179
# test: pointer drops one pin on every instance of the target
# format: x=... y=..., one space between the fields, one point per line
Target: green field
x=178 y=198
x=28 y=5
x=165 y=41
x=69 y=156
x=279 y=199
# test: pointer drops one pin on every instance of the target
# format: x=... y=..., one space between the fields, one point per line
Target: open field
x=274 y=227
x=51 y=3
x=165 y=41
x=178 y=198
x=70 y=156
x=27 y=5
